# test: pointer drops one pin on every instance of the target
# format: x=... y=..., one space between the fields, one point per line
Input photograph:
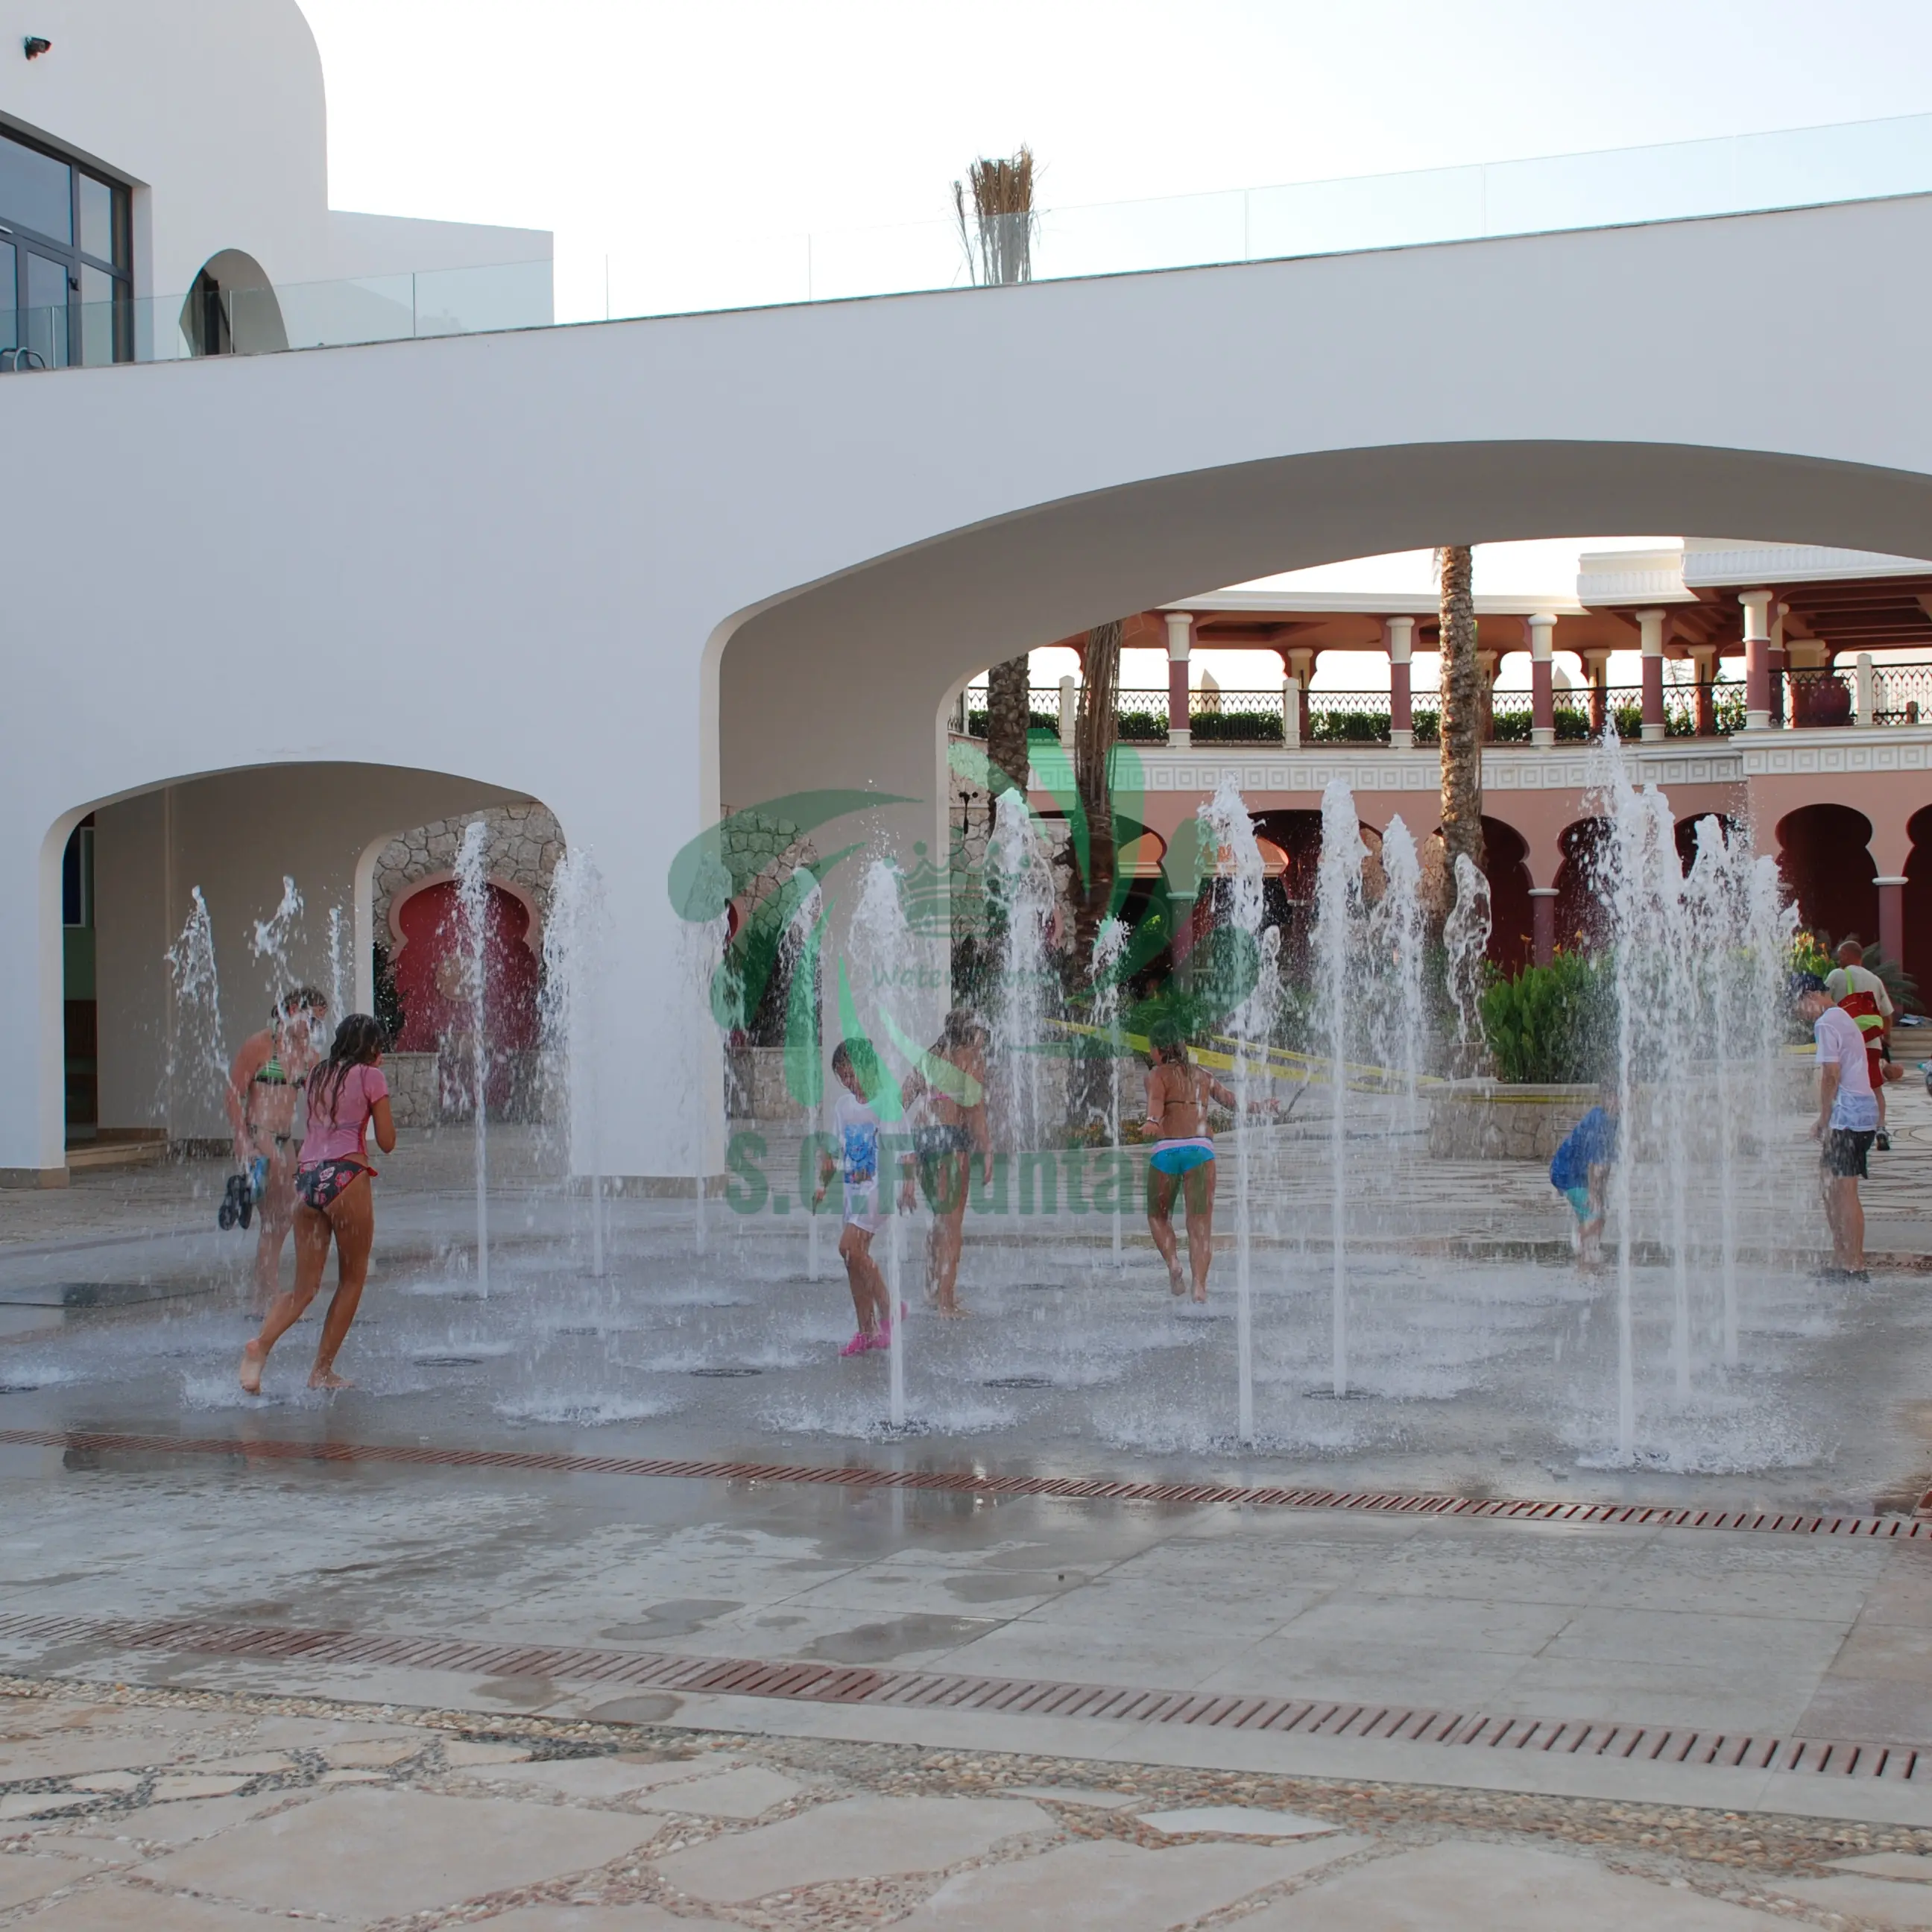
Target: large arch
x=234 y=837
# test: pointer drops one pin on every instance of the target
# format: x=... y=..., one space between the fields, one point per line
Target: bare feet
x=949 y=1309
x=327 y=1379
x=254 y=1359
x=1175 y=1285
x=1200 y=1291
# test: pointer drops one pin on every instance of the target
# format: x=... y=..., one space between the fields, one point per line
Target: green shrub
x=1550 y=1023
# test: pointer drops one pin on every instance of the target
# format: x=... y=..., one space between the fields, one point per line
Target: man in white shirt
x=1862 y=993
x=1847 y=1120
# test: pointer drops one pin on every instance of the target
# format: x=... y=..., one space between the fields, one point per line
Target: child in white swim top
x=856 y=1126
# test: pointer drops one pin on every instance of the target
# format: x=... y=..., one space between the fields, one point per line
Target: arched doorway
x=432 y=965
x=1581 y=924
x=1828 y=869
x=1918 y=947
x=1512 y=921
x=232 y=309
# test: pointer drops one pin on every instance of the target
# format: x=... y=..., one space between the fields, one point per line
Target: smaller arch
x=232 y=308
x=1581 y=923
x=1918 y=922
x=1824 y=856
x=1512 y=921
x=1687 y=834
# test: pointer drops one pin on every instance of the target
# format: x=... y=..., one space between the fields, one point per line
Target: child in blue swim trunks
x=1581 y=1171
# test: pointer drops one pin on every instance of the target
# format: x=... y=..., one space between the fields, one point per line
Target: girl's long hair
x=359 y=1040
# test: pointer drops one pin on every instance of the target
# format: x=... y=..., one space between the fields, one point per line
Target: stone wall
x=1492 y=1122
x=413 y=1087
x=525 y=843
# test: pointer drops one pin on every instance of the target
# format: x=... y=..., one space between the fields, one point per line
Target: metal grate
x=1078 y=1488
x=818 y=1683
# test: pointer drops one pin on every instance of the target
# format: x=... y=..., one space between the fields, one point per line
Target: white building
x=164 y=185
x=283 y=608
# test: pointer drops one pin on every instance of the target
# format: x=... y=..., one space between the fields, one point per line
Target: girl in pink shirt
x=347 y=1095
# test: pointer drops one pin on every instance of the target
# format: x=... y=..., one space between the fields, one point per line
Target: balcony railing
x=295 y=315
x=1898 y=694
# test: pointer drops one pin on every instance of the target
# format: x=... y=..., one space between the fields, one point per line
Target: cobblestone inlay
x=1748 y=1859
x=1897 y=1762
x=1089 y=1489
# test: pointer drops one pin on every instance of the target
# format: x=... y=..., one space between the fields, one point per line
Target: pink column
x=1650 y=630
x=1399 y=634
x=1180 y=645
x=1891 y=915
x=1757 y=659
x=1542 y=630
x=1543 y=917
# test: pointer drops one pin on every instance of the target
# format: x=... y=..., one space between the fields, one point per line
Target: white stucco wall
x=214 y=109
x=633 y=567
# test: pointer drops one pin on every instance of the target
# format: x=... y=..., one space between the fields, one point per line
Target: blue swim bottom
x=1579 y=1198
x=1180 y=1157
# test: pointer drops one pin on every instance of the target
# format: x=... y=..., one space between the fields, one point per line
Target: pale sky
x=626 y=125
x=640 y=131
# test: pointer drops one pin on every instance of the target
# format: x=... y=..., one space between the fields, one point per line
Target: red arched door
x=433 y=988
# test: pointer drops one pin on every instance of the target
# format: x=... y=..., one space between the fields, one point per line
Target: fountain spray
x=1109 y=944
x=472 y=892
x=1238 y=858
x=1338 y=893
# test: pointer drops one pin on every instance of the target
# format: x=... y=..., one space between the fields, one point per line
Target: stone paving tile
x=749 y=1792
x=1121 y=1887
x=1238 y=1821
x=171 y=1825
x=595 y=1777
x=362 y=1854
x=641 y=1917
x=23 y=1875
x=1858 y=1896
x=1477 y=1887
x=857 y=1837
x=110 y=1906
x=1890 y=1865
x=1458 y=1625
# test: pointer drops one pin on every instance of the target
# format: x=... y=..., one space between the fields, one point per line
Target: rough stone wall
x=1515 y=1123
x=525 y=843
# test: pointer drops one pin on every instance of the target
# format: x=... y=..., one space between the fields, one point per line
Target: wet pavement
x=849 y=1646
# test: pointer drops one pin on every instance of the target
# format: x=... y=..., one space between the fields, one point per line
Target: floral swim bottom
x=319 y=1182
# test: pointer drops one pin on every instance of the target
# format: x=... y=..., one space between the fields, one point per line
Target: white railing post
x=1070 y=702
x=1861 y=688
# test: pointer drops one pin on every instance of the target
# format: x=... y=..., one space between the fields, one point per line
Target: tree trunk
x=1095 y=728
x=1009 y=709
x=1461 y=720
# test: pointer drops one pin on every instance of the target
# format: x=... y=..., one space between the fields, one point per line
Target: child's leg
x=1199 y=1190
x=1160 y=1225
x=862 y=1276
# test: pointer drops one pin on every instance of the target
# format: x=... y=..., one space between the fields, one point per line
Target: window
x=66 y=261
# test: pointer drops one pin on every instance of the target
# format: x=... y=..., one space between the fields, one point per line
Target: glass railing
x=296 y=315
x=1734 y=175
x=695 y=270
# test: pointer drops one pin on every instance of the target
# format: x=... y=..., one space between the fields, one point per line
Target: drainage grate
x=1077 y=1489
x=819 y=1683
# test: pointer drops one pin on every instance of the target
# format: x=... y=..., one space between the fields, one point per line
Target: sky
x=643 y=134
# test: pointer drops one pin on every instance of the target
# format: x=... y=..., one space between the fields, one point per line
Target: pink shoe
x=883 y=1339
x=858 y=1344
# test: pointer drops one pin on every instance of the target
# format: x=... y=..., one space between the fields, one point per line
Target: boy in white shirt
x=855 y=1065
x=1847 y=1123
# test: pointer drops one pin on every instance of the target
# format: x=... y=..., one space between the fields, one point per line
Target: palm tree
x=997 y=237
x=1461 y=713
x=1095 y=725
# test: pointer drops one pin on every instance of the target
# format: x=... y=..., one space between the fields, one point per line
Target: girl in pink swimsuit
x=347 y=1095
